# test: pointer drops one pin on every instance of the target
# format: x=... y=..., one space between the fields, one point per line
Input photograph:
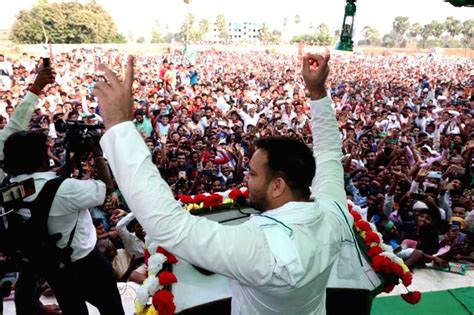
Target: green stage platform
x=450 y=302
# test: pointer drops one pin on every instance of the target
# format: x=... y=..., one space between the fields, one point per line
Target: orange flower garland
x=391 y=268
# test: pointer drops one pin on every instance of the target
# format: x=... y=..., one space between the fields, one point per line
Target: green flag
x=189 y=54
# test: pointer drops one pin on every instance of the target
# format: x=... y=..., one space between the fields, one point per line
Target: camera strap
x=41 y=207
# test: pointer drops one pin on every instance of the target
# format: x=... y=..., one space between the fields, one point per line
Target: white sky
x=137 y=16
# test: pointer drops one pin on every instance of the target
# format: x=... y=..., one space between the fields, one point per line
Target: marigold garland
x=213 y=201
x=154 y=287
x=391 y=268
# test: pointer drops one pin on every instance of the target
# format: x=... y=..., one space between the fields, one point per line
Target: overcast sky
x=137 y=16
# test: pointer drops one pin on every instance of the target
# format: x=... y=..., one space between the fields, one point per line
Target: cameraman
x=19 y=121
x=88 y=275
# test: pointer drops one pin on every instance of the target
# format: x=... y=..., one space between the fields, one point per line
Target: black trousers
x=27 y=292
x=342 y=301
x=89 y=279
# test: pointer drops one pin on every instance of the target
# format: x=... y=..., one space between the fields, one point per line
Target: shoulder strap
x=41 y=206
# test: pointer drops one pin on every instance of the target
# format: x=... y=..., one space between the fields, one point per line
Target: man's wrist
x=35 y=90
x=317 y=94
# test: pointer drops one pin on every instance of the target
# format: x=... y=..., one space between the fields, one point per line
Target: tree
x=436 y=28
x=276 y=37
x=452 y=26
x=221 y=26
x=371 y=36
x=285 y=23
x=401 y=24
x=425 y=34
x=264 y=34
x=65 y=23
x=389 y=40
x=204 y=27
x=467 y=31
x=156 y=33
x=323 y=36
x=187 y=27
x=297 y=19
x=415 y=30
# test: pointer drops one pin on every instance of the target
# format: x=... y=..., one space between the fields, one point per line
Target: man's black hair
x=25 y=152
x=290 y=159
x=131 y=225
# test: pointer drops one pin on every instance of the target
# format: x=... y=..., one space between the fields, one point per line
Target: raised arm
x=327 y=150
x=22 y=115
x=153 y=204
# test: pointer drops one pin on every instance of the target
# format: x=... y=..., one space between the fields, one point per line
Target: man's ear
x=278 y=187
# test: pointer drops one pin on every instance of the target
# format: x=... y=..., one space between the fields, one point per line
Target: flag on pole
x=189 y=54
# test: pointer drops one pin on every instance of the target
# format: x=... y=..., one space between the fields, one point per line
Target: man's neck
x=284 y=201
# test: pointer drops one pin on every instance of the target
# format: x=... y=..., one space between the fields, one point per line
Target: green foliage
x=467 y=31
x=322 y=36
x=401 y=24
x=433 y=34
x=119 y=39
x=371 y=36
x=221 y=25
x=436 y=29
x=415 y=30
x=389 y=40
x=65 y=23
x=169 y=37
x=156 y=33
x=269 y=37
x=452 y=26
x=204 y=27
x=264 y=34
x=297 y=19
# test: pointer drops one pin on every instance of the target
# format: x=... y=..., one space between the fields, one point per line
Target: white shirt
x=133 y=245
x=267 y=280
x=18 y=122
x=70 y=205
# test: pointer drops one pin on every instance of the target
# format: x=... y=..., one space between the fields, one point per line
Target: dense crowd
x=406 y=125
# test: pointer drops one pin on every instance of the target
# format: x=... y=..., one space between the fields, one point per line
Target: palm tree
x=221 y=25
x=415 y=30
x=401 y=24
x=297 y=19
x=371 y=35
x=204 y=27
x=453 y=26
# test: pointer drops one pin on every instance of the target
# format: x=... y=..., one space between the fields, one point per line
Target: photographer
x=26 y=157
x=19 y=121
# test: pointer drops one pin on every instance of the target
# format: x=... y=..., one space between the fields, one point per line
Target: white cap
x=431 y=151
x=420 y=205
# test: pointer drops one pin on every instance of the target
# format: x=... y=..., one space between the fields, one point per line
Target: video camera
x=80 y=137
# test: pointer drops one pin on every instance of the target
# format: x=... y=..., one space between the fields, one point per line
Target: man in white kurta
x=281 y=260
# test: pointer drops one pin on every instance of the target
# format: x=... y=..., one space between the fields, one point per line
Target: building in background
x=238 y=32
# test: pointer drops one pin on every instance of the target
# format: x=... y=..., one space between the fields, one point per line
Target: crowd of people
x=406 y=124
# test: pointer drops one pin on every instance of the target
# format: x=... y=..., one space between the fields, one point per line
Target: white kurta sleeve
x=329 y=179
x=240 y=252
x=20 y=119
